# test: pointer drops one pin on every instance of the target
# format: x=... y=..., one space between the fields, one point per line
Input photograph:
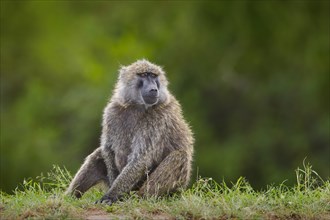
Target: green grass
x=206 y=199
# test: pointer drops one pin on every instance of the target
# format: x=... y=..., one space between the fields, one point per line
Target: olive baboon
x=146 y=145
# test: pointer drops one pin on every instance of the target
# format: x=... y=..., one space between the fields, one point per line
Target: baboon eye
x=145 y=74
x=142 y=74
x=153 y=75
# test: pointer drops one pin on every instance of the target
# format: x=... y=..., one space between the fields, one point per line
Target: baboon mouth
x=150 y=100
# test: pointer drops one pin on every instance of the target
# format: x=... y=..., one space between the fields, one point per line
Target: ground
x=205 y=199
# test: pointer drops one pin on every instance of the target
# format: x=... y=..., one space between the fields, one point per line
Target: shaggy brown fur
x=144 y=147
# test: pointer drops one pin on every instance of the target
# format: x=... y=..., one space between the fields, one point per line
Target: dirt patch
x=158 y=214
x=97 y=214
x=28 y=214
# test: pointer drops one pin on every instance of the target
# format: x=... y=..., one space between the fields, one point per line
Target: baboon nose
x=153 y=91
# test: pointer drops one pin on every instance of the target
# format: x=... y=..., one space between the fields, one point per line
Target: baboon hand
x=106 y=199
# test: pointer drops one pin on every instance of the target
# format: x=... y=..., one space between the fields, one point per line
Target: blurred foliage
x=252 y=77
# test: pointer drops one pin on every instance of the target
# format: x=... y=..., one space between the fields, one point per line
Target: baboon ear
x=123 y=69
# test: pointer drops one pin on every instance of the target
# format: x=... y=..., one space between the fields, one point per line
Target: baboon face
x=142 y=83
x=148 y=86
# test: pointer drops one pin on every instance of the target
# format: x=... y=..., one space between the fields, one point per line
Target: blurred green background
x=252 y=77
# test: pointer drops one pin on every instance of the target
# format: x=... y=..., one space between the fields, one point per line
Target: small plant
x=58 y=178
x=307 y=178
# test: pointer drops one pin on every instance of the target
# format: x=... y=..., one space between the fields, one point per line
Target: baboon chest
x=129 y=131
x=122 y=140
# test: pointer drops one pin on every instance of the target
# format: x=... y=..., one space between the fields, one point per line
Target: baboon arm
x=126 y=180
x=109 y=160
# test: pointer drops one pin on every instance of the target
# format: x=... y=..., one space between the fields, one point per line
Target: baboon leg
x=90 y=173
x=173 y=172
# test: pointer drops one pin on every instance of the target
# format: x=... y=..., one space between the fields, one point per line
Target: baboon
x=146 y=145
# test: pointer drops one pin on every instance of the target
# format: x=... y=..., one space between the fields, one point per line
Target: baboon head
x=141 y=83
